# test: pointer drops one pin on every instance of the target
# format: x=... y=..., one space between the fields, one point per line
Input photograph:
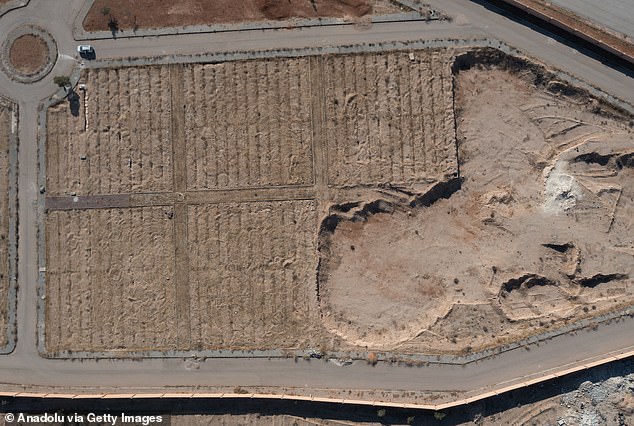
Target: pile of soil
x=144 y=14
x=28 y=54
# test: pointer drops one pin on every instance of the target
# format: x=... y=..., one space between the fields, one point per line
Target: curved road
x=25 y=367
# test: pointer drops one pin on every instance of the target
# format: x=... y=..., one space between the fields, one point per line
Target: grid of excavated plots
x=182 y=200
x=389 y=118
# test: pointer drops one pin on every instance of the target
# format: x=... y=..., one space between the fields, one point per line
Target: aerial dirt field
x=272 y=149
x=539 y=231
x=389 y=118
x=28 y=54
x=5 y=129
x=148 y=14
x=114 y=140
x=397 y=202
x=250 y=266
x=110 y=271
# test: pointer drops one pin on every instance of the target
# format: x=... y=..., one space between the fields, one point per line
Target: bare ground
x=5 y=129
x=115 y=142
x=346 y=162
x=110 y=271
x=537 y=234
x=28 y=54
x=250 y=271
x=389 y=118
x=249 y=126
x=145 y=14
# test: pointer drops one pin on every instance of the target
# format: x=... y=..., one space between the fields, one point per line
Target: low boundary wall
x=606 y=41
x=465 y=399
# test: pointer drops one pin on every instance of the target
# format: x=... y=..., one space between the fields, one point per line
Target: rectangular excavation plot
x=116 y=139
x=5 y=130
x=247 y=124
x=251 y=277
x=110 y=280
x=389 y=118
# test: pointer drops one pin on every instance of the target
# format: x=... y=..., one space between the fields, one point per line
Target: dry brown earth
x=539 y=233
x=231 y=147
x=389 y=119
x=110 y=271
x=122 y=132
x=248 y=124
x=5 y=129
x=145 y=14
x=28 y=54
x=259 y=171
x=250 y=269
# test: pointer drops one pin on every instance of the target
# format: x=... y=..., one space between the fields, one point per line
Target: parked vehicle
x=86 y=51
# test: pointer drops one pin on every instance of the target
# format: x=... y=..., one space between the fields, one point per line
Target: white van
x=85 y=50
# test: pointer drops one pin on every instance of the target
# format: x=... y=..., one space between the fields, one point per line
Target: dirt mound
x=28 y=54
x=372 y=297
x=540 y=229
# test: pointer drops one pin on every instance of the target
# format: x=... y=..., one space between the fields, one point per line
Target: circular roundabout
x=28 y=54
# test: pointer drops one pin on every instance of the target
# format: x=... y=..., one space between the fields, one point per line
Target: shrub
x=62 y=80
x=372 y=358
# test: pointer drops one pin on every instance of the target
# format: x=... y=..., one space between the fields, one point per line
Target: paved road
x=617 y=15
x=24 y=366
x=492 y=373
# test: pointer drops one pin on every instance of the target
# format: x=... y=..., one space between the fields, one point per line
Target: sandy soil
x=389 y=118
x=143 y=14
x=122 y=130
x=522 y=247
x=252 y=275
x=5 y=129
x=200 y=148
x=269 y=168
x=249 y=126
x=110 y=275
x=28 y=54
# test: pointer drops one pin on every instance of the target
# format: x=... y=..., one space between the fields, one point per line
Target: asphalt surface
x=25 y=367
x=617 y=15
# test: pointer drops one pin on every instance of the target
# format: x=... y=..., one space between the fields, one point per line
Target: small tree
x=113 y=25
x=62 y=80
x=105 y=11
x=439 y=415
